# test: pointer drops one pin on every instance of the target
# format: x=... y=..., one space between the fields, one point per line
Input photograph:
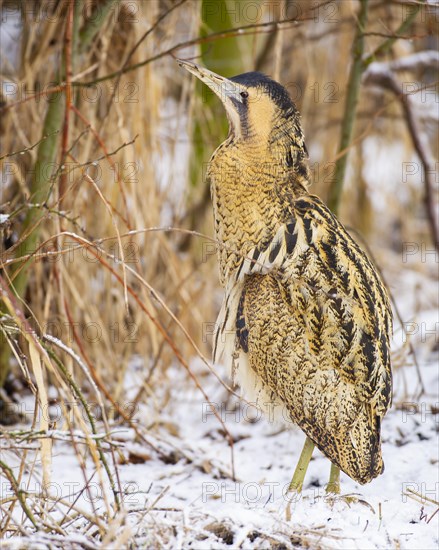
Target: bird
x=306 y=321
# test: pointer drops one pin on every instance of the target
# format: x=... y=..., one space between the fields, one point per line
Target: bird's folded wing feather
x=331 y=278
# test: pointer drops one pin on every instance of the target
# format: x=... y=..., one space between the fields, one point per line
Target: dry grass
x=116 y=272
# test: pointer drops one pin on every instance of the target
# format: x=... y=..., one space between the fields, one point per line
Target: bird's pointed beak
x=224 y=88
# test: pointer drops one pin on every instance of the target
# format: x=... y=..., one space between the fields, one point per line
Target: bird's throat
x=252 y=190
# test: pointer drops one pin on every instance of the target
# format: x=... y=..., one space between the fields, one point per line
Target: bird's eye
x=244 y=95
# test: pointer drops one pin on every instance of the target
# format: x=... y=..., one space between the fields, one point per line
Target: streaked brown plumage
x=306 y=319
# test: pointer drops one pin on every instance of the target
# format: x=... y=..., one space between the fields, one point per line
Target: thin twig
x=18 y=492
x=111 y=154
x=22 y=151
x=387 y=44
x=244 y=30
x=110 y=161
x=168 y=339
x=145 y=35
x=77 y=391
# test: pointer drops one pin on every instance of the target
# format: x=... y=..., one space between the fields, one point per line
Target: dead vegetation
x=108 y=274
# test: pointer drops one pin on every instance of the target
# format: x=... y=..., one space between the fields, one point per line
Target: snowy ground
x=195 y=503
x=190 y=500
x=383 y=517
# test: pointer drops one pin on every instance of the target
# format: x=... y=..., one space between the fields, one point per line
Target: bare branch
x=22 y=151
x=381 y=75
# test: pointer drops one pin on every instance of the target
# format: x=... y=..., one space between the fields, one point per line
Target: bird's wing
x=331 y=279
x=309 y=316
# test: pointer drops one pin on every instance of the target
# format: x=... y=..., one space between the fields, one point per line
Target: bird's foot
x=333 y=488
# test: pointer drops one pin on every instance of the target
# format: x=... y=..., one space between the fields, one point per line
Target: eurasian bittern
x=306 y=319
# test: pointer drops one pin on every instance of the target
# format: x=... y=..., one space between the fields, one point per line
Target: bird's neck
x=253 y=187
x=272 y=164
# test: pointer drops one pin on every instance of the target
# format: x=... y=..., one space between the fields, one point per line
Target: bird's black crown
x=275 y=90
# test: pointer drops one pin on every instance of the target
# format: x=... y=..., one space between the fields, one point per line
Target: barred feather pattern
x=306 y=320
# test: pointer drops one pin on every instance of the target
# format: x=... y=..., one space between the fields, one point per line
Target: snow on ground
x=383 y=517
x=190 y=499
x=195 y=505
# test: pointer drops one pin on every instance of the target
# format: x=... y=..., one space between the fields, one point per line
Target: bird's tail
x=358 y=450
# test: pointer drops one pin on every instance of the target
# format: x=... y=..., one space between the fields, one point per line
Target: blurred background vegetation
x=105 y=217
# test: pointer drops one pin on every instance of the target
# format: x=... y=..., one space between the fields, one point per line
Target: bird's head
x=259 y=109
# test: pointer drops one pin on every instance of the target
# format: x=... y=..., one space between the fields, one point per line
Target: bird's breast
x=246 y=208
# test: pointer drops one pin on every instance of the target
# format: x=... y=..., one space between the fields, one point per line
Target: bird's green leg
x=300 y=471
x=334 y=480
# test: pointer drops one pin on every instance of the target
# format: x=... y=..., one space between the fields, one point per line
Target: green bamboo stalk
x=353 y=90
x=94 y=24
x=41 y=183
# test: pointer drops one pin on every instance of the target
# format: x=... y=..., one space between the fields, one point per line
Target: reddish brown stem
x=111 y=163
